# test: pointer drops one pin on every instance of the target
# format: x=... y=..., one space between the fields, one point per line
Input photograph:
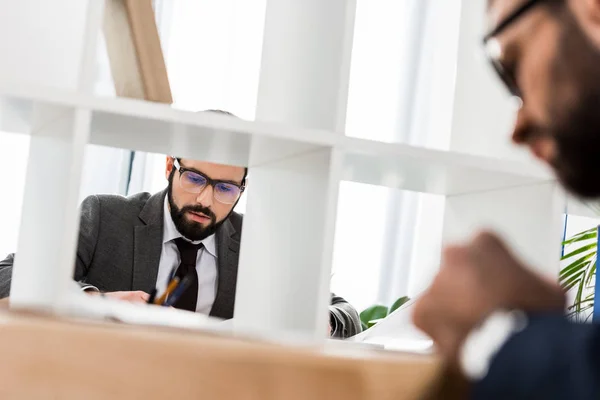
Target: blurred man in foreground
x=492 y=319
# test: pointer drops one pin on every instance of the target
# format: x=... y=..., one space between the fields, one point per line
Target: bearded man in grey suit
x=128 y=246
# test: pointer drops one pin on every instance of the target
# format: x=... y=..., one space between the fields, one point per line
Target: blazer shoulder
x=237 y=221
x=115 y=207
x=118 y=202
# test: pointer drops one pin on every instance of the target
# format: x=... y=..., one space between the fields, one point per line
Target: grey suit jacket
x=120 y=242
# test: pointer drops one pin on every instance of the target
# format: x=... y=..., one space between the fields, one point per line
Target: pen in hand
x=170 y=288
x=181 y=288
x=152 y=296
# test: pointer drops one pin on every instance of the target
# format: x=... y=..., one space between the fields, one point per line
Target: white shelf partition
x=144 y=126
x=582 y=208
x=286 y=252
x=432 y=171
x=61 y=52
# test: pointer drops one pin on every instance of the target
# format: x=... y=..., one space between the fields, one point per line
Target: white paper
x=397 y=332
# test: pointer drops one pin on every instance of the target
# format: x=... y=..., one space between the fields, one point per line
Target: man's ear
x=169 y=167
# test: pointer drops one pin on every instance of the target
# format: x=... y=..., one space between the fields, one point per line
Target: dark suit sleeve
x=6 y=275
x=551 y=359
x=343 y=318
x=88 y=236
x=89 y=228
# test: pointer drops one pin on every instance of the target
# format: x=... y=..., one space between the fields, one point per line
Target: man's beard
x=192 y=230
x=576 y=124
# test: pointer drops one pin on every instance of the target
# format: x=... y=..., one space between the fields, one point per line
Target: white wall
x=104 y=171
x=359 y=242
x=213 y=52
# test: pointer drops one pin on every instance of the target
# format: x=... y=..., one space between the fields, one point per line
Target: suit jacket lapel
x=228 y=248
x=148 y=244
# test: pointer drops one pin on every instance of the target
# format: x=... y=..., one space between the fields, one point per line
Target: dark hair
x=223 y=112
x=215 y=111
x=551 y=3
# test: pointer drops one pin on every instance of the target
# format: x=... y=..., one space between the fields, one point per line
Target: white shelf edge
x=155 y=111
x=579 y=208
x=367 y=147
x=380 y=160
x=161 y=112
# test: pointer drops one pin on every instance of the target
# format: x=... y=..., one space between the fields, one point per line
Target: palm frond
x=573 y=281
x=579 y=273
x=575 y=267
x=590 y=234
x=592 y=273
x=582 y=249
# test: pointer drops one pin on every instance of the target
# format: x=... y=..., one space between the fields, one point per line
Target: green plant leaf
x=590 y=230
x=582 y=236
x=579 y=293
x=580 y=250
x=589 y=316
x=372 y=313
x=572 y=281
x=573 y=269
x=580 y=272
x=582 y=302
x=581 y=258
x=590 y=296
x=592 y=272
x=399 y=303
x=578 y=314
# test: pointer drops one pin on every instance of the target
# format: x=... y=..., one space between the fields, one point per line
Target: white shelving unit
x=296 y=152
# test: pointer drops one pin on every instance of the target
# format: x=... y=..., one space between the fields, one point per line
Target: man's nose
x=205 y=197
x=522 y=126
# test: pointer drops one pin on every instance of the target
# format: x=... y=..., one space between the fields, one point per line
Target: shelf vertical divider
x=289 y=227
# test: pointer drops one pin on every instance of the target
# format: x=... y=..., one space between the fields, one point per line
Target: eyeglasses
x=195 y=182
x=493 y=51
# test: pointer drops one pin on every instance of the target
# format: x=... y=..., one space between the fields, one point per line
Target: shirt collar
x=170 y=232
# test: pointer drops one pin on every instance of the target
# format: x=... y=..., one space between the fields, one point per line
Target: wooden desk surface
x=44 y=357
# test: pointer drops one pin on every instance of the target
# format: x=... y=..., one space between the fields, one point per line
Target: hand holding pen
x=175 y=289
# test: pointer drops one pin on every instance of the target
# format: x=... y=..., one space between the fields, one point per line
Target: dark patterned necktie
x=188 y=253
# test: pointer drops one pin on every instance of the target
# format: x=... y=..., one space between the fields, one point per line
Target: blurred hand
x=474 y=280
x=133 y=297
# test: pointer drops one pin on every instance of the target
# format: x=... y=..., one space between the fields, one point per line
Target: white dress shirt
x=206 y=263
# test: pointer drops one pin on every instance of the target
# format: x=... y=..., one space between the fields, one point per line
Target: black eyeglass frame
x=507 y=78
x=209 y=181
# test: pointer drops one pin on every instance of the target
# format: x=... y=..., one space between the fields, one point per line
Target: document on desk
x=397 y=332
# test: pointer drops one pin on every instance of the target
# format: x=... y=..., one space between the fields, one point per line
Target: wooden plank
x=149 y=50
x=134 y=51
x=51 y=358
x=121 y=51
